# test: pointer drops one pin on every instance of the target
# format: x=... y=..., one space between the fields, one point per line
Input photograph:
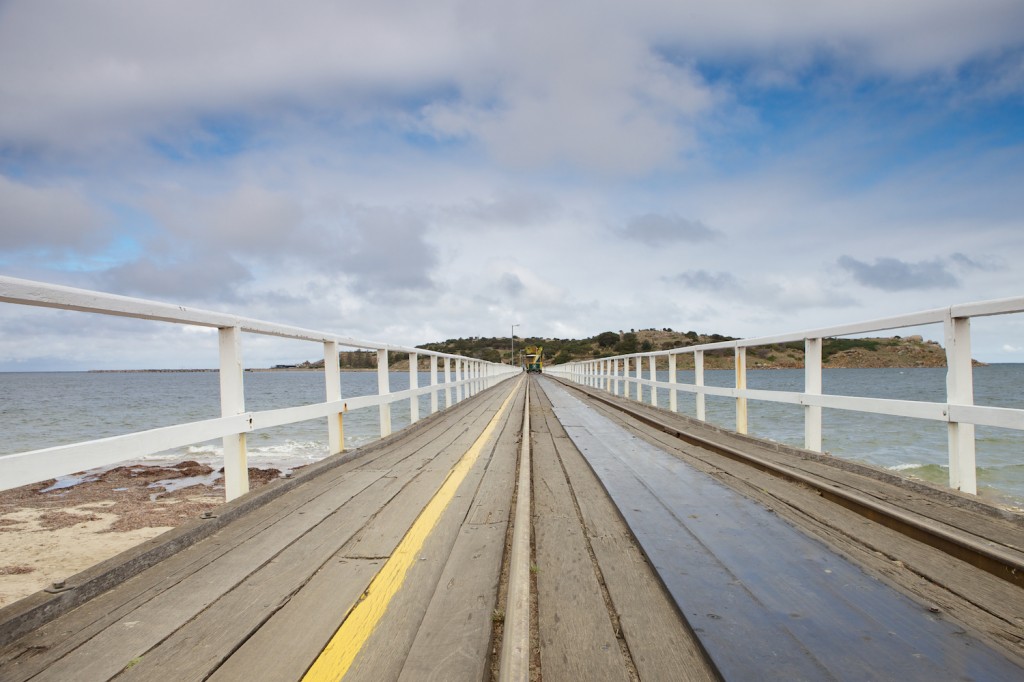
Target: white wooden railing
x=959 y=411
x=470 y=377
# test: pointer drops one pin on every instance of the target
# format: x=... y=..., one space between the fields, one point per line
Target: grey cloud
x=892 y=274
x=51 y=218
x=247 y=220
x=659 y=230
x=968 y=263
x=197 y=278
x=385 y=250
x=702 y=280
x=508 y=210
x=511 y=284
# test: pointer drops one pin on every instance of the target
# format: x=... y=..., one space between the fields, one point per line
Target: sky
x=411 y=172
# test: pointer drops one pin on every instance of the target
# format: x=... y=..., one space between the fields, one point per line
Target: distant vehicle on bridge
x=534 y=359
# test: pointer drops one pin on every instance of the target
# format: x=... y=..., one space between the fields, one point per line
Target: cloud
x=47 y=218
x=386 y=250
x=984 y=264
x=511 y=284
x=892 y=274
x=507 y=210
x=702 y=280
x=656 y=230
x=199 y=277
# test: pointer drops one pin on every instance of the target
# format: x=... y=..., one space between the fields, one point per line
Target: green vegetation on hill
x=911 y=351
x=559 y=351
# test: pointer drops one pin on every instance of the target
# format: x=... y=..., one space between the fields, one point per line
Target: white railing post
x=433 y=384
x=414 y=382
x=383 y=389
x=627 y=388
x=447 y=383
x=653 y=363
x=698 y=381
x=332 y=377
x=963 y=474
x=812 y=386
x=741 y=384
x=608 y=375
x=639 y=377
x=232 y=402
x=740 y=365
x=673 y=394
x=459 y=374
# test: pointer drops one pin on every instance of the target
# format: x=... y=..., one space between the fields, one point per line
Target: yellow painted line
x=335 y=660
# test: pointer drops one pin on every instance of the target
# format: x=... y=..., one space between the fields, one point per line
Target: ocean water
x=45 y=409
x=39 y=410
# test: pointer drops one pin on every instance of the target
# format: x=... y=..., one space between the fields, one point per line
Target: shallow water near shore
x=39 y=410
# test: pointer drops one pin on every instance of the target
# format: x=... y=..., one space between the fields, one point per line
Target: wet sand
x=53 y=529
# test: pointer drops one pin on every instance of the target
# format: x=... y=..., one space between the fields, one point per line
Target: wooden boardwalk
x=391 y=564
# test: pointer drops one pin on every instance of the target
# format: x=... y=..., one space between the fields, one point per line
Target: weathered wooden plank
x=44 y=646
x=33 y=612
x=285 y=646
x=35 y=650
x=660 y=643
x=383 y=654
x=177 y=604
x=386 y=529
x=135 y=633
x=195 y=649
x=576 y=638
x=315 y=609
x=453 y=638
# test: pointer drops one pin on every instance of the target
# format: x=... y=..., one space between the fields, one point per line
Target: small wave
x=910 y=466
x=291 y=448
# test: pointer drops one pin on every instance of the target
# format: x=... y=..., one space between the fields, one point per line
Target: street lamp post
x=512 y=360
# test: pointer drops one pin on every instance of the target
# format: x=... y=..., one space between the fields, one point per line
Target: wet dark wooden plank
x=754 y=588
x=660 y=643
x=974 y=597
x=961 y=512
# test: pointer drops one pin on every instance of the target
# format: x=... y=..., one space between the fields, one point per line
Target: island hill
x=895 y=351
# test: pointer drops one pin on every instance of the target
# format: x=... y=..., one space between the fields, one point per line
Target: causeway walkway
x=652 y=557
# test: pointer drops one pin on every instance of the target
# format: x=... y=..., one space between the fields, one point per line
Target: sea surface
x=44 y=409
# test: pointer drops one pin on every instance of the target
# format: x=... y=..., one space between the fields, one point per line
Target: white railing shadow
x=470 y=377
x=615 y=375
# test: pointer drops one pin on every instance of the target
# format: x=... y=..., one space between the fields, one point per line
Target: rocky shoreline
x=53 y=529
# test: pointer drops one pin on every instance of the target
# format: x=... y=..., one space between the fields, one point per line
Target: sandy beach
x=50 y=531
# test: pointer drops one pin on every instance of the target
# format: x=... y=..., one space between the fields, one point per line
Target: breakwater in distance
x=44 y=409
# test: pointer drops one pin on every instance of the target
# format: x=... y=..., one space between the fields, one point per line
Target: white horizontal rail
x=624 y=375
x=40 y=294
x=18 y=469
